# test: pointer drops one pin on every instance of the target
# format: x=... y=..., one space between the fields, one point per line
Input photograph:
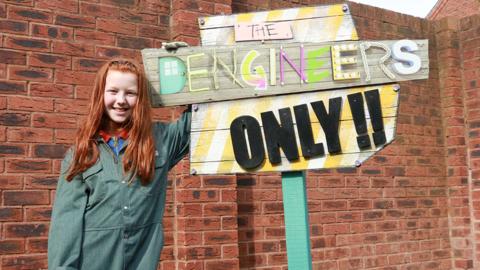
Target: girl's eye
x=132 y=93
x=113 y=91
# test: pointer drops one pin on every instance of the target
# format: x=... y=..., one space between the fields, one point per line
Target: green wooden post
x=296 y=220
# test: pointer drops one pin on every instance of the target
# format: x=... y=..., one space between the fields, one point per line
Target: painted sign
x=203 y=74
x=263 y=31
x=308 y=24
x=314 y=130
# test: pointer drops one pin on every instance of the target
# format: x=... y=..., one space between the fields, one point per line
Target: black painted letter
x=330 y=122
x=278 y=136
x=304 y=127
x=255 y=141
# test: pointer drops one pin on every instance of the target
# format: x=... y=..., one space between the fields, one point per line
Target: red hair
x=139 y=154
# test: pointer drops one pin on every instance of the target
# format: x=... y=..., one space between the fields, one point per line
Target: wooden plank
x=211 y=150
x=241 y=75
x=309 y=24
x=263 y=31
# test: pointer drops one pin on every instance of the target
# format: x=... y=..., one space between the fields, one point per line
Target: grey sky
x=418 y=8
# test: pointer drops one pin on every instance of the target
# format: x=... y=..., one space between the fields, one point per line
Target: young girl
x=110 y=197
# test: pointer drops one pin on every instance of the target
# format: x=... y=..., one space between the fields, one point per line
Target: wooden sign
x=206 y=74
x=314 y=130
x=308 y=24
x=263 y=31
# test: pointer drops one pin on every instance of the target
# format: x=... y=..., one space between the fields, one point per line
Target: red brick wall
x=49 y=53
x=469 y=55
x=414 y=205
x=457 y=8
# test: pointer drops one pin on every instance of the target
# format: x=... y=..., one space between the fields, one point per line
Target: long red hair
x=139 y=154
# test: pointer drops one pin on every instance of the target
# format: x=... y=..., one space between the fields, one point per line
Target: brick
x=220 y=209
x=11 y=246
x=153 y=32
x=212 y=238
x=95 y=36
x=71 y=106
x=120 y=3
x=115 y=26
x=41 y=182
x=3 y=71
x=190 y=209
x=11 y=181
x=134 y=42
x=199 y=224
x=24 y=262
x=26 y=230
x=109 y=52
x=135 y=17
x=13 y=57
x=85 y=64
x=373 y=215
x=35 y=135
x=3 y=12
x=11 y=87
x=100 y=11
x=230 y=251
x=38 y=213
x=13 y=149
x=51 y=90
x=30 y=74
x=70 y=6
x=334 y=205
x=54 y=120
x=30 y=104
x=73 y=48
x=198 y=253
x=66 y=136
x=335 y=229
x=218 y=181
x=37 y=245
x=14 y=198
x=49 y=151
x=75 y=21
x=15 y=27
x=14 y=119
x=223 y=264
x=197 y=195
x=29 y=44
x=188 y=181
x=74 y=77
x=50 y=31
x=28 y=14
x=49 y=60
x=10 y=214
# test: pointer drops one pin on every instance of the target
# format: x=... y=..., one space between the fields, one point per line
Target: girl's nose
x=121 y=98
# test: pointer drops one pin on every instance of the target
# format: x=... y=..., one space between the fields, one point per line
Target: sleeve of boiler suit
x=179 y=137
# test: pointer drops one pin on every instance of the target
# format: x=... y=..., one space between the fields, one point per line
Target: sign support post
x=296 y=220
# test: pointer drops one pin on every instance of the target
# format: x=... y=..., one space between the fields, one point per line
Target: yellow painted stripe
x=205 y=138
x=245 y=17
x=233 y=112
x=306 y=12
x=274 y=15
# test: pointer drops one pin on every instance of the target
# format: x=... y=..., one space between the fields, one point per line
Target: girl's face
x=120 y=97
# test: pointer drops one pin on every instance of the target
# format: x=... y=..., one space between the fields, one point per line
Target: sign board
x=308 y=24
x=206 y=74
x=333 y=129
x=263 y=31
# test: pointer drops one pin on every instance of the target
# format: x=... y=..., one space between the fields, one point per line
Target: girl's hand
x=173 y=45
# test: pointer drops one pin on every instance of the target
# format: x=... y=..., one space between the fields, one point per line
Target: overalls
x=100 y=222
